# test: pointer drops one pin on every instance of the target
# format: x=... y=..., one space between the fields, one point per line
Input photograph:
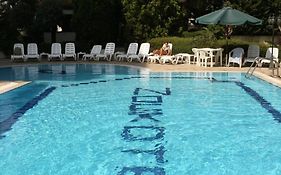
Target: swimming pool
x=105 y=119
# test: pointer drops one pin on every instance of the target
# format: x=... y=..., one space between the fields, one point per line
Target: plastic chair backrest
x=253 y=51
x=202 y=54
x=32 y=49
x=109 y=48
x=96 y=49
x=144 y=49
x=69 y=48
x=56 y=48
x=269 y=53
x=132 y=49
x=171 y=46
x=18 y=49
x=237 y=52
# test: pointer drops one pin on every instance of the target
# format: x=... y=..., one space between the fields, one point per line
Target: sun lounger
x=108 y=52
x=269 y=54
x=32 y=52
x=252 y=53
x=55 y=52
x=18 y=52
x=69 y=51
x=153 y=58
x=143 y=53
x=95 y=51
x=132 y=50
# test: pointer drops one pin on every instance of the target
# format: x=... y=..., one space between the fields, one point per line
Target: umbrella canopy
x=228 y=16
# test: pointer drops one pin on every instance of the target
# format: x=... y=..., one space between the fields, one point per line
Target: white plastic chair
x=18 y=52
x=235 y=56
x=196 y=56
x=252 y=53
x=108 y=52
x=55 y=52
x=143 y=53
x=268 y=55
x=32 y=52
x=132 y=50
x=69 y=51
x=203 y=57
x=96 y=49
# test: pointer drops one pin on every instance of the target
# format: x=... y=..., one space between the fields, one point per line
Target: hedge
x=185 y=44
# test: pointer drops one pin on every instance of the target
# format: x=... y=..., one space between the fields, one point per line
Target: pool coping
x=7 y=86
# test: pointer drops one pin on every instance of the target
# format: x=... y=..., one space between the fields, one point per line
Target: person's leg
x=156 y=52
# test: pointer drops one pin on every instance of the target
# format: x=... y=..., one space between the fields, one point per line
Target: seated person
x=165 y=50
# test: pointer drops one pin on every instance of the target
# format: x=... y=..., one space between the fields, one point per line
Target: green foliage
x=49 y=15
x=195 y=8
x=14 y=15
x=96 y=21
x=261 y=9
x=22 y=14
x=209 y=36
x=185 y=45
x=148 y=19
x=179 y=44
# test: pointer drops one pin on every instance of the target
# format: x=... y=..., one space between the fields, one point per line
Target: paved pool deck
x=263 y=73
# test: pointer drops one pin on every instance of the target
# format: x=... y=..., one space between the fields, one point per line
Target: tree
x=96 y=21
x=144 y=19
x=261 y=9
x=201 y=7
x=22 y=14
x=8 y=30
x=49 y=15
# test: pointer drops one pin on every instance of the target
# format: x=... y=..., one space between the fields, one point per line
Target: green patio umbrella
x=229 y=17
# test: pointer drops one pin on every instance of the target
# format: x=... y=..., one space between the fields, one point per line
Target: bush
x=185 y=44
x=179 y=44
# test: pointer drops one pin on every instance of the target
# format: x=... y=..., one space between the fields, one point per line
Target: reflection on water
x=58 y=72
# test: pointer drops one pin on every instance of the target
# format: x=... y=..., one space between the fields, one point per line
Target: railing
x=258 y=63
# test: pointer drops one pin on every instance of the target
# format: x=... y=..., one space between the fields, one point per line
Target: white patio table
x=213 y=53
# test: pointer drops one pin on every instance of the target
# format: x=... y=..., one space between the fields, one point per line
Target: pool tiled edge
x=269 y=79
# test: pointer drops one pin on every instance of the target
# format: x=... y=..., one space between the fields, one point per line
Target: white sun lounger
x=268 y=55
x=132 y=50
x=69 y=51
x=32 y=52
x=95 y=51
x=108 y=52
x=252 y=53
x=55 y=52
x=18 y=52
x=164 y=58
x=143 y=53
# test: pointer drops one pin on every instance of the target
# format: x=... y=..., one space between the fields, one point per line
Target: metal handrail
x=257 y=62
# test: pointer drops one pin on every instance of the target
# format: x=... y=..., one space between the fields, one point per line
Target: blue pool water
x=114 y=120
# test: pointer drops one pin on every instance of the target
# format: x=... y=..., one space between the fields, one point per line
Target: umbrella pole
x=226 y=51
x=228 y=32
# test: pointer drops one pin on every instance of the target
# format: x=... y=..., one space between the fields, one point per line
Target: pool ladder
x=257 y=63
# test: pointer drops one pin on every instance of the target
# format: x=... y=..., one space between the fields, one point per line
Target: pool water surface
x=106 y=119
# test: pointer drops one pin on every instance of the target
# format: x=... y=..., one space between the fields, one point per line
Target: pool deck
x=6 y=86
x=263 y=73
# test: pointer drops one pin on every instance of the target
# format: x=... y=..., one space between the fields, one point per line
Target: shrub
x=185 y=44
x=179 y=44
